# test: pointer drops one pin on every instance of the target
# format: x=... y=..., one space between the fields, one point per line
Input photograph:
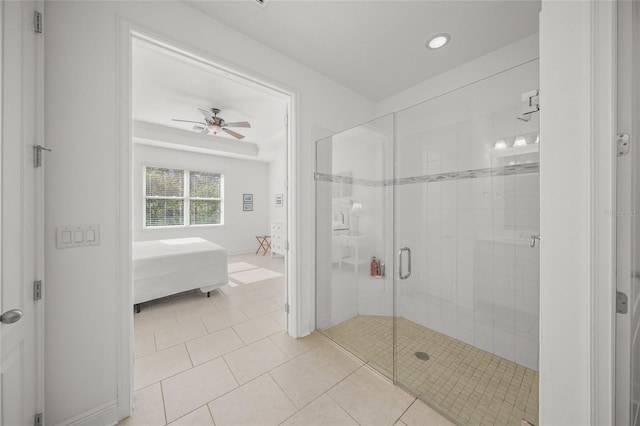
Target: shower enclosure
x=427 y=248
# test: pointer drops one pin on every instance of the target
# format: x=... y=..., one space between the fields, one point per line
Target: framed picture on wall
x=247 y=207
x=247 y=198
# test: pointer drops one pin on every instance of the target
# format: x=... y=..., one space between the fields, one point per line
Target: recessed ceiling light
x=438 y=40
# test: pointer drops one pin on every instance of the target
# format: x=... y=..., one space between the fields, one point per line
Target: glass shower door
x=354 y=225
x=466 y=287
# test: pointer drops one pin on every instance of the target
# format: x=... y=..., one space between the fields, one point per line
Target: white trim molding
x=577 y=189
x=603 y=192
x=106 y=414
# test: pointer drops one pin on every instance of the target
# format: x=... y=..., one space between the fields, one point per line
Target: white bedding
x=165 y=267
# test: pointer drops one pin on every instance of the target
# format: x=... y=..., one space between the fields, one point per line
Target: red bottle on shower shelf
x=374 y=267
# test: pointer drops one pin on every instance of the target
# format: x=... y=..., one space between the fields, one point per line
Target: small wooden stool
x=265 y=243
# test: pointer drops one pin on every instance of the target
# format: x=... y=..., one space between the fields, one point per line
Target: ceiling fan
x=213 y=123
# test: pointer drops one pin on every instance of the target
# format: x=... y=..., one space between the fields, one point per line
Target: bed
x=165 y=267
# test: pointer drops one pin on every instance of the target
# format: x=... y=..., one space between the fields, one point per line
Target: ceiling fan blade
x=238 y=124
x=206 y=113
x=189 y=121
x=234 y=134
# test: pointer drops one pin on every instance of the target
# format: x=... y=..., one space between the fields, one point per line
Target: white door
x=20 y=214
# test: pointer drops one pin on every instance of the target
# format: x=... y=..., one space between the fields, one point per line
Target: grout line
x=285 y=393
x=189 y=355
x=164 y=406
x=232 y=373
x=406 y=409
x=338 y=404
x=211 y=414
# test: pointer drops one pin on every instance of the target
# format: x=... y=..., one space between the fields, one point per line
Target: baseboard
x=104 y=415
x=243 y=251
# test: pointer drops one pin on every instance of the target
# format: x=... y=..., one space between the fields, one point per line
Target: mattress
x=165 y=267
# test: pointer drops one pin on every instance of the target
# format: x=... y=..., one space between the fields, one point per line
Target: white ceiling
x=377 y=48
x=168 y=85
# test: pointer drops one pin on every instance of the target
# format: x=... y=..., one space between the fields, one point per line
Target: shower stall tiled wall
x=456 y=181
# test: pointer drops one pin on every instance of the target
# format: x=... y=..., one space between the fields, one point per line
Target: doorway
x=253 y=195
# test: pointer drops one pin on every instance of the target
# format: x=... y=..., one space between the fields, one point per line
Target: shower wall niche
x=452 y=186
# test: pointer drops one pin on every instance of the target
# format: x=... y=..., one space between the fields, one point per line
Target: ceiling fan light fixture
x=438 y=41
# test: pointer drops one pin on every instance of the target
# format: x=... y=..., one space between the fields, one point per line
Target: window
x=176 y=197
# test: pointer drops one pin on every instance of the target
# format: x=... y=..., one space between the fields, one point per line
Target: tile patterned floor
x=226 y=360
x=470 y=385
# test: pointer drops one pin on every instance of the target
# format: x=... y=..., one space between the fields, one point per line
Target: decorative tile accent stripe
x=324 y=177
x=518 y=169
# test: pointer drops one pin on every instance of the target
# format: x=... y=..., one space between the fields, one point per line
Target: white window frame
x=186 y=199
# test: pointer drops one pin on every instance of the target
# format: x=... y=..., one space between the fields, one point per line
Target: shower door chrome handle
x=408 y=274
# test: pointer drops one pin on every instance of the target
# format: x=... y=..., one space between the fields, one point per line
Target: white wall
x=82 y=178
x=238 y=233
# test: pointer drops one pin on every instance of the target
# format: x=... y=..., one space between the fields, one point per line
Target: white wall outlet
x=77 y=236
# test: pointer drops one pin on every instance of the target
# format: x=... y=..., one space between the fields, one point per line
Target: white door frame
x=126 y=31
x=603 y=112
x=626 y=217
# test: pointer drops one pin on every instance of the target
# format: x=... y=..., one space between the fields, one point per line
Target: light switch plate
x=77 y=236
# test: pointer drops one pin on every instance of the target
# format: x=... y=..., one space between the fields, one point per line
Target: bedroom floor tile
x=199 y=417
x=256 y=329
x=194 y=308
x=281 y=317
x=213 y=345
x=224 y=319
x=193 y=388
x=148 y=407
x=149 y=320
x=144 y=343
x=179 y=333
x=160 y=365
x=385 y=403
x=420 y=413
x=255 y=359
x=224 y=301
x=294 y=347
x=259 y=308
x=281 y=379
x=310 y=375
x=259 y=402
x=323 y=411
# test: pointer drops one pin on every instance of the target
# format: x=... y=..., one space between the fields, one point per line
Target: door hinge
x=37 y=22
x=37 y=419
x=37 y=155
x=621 y=302
x=530 y=104
x=286 y=307
x=286 y=245
x=37 y=290
x=623 y=144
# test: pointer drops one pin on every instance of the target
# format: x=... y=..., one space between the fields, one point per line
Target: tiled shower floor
x=468 y=384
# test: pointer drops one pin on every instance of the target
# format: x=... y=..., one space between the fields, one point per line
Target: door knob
x=11 y=316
